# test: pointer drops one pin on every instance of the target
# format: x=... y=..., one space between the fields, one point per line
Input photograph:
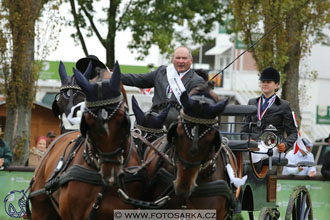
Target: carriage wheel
x=300 y=205
x=269 y=214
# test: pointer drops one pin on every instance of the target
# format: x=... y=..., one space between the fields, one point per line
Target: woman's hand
x=281 y=147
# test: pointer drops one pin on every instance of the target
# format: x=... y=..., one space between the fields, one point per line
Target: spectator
x=300 y=156
x=5 y=153
x=325 y=170
x=50 y=137
x=37 y=152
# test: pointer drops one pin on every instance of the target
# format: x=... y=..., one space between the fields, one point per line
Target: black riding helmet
x=270 y=74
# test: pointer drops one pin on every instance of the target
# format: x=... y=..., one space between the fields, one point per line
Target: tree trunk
x=290 y=90
x=110 y=41
x=17 y=133
x=21 y=84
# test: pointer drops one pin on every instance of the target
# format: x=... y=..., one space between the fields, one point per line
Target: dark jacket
x=279 y=115
x=325 y=170
x=158 y=80
x=5 y=153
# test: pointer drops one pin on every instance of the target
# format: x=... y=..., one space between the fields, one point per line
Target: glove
x=281 y=147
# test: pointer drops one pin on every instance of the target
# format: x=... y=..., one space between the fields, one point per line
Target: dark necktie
x=264 y=106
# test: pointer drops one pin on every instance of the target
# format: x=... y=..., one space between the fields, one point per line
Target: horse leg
x=42 y=208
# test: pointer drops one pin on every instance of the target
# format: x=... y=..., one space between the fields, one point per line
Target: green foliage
x=289 y=25
x=153 y=22
x=295 y=20
x=19 y=74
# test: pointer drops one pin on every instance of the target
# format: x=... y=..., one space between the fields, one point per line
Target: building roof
x=35 y=103
x=218 y=50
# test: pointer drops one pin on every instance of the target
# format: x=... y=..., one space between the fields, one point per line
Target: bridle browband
x=209 y=123
x=151 y=131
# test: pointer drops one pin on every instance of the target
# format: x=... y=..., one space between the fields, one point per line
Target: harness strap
x=161 y=154
x=143 y=204
x=82 y=174
x=96 y=204
x=63 y=165
x=129 y=151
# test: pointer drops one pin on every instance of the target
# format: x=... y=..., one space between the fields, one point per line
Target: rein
x=161 y=154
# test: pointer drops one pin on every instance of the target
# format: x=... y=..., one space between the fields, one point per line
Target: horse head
x=105 y=124
x=194 y=137
x=70 y=95
x=149 y=125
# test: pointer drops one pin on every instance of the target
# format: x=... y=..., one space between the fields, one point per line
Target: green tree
x=296 y=22
x=158 y=22
x=19 y=74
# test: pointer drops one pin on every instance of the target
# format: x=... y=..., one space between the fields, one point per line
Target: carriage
x=184 y=169
x=259 y=193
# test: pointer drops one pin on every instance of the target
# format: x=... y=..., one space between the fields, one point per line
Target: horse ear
x=55 y=109
x=139 y=114
x=186 y=101
x=88 y=72
x=115 y=79
x=217 y=108
x=163 y=115
x=63 y=74
x=172 y=131
x=83 y=126
x=82 y=81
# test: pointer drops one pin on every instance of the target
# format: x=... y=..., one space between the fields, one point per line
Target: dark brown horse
x=148 y=126
x=81 y=174
x=197 y=177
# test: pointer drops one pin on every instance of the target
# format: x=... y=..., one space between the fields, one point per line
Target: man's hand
x=300 y=168
x=2 y=162
x=312 y=173
x=281 y=147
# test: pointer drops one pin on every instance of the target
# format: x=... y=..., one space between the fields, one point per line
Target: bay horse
x=195 y=177
x=148 y=126
x=80 y=175
x=70 y=95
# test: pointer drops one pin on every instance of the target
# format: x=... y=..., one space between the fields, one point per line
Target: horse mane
x=205 y=89
x=202 y=73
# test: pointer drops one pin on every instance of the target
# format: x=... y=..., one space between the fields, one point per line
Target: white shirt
x=294 y=159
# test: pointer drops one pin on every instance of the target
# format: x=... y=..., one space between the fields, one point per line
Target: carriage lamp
x=269 y=139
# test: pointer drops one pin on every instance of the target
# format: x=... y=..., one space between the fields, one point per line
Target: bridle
x=68 y=93
x=105 y=111
x=148 y=133
x=195 y=129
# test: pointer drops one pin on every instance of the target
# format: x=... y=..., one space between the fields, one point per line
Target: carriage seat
x=242 y=145
x=276 y=161
x=239 y=110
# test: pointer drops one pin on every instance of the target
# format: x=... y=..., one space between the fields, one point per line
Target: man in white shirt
x=300 y=156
